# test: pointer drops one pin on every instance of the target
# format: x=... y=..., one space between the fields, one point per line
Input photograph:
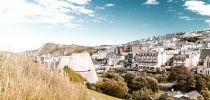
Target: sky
x=28 y=24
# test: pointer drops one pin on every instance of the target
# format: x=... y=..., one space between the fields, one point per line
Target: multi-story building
x=150 y=60
x=119 y=50
x=127 y=48
x=130 y=60
x=188 y=60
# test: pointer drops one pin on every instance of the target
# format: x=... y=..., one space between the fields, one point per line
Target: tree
x=115 y=88
x=202 y=81
x=143 y=94
x=161 y=78
x=113 y=85
x=206 y=94
x=153 y=84
x=114 y=76
x=129 y=77
x=139 y=83
x=183 y=77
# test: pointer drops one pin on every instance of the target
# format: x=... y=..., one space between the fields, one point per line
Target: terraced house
x=150 y=60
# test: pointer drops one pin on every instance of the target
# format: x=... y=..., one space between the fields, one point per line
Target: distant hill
x=59 y=49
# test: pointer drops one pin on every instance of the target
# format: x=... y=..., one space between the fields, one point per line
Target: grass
x=157 y=95
x=101 y=96
x=22 y=78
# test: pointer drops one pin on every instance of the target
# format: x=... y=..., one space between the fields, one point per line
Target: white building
x=150 y=60
x=99 y=55
x=188 y=60
x=204 y=62
x=115 y=59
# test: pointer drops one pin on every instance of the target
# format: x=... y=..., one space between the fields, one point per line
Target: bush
x=206 y=94
x=143 y=94
x=153 y=84
x=202 y=82
x=161 y=78
x=73 y=76
x=112 y=84
x=136 y=83
x=91 y=86
x=115 y=88
x=114 y=76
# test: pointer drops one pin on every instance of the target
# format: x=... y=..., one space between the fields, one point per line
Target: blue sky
x=27 y=24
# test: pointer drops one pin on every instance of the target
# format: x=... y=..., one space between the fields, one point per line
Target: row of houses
x=157 y=58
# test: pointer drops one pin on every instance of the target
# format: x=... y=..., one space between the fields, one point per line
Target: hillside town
x=154 y=55
x=191 y=49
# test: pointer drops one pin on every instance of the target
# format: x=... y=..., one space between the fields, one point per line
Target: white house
x=188 y=60
x=99 y=55
x=204 y=62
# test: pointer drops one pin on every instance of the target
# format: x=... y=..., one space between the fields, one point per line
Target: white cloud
x=79 y=2
x=208 y=21
x=199 y=7
x=186 y=18
x=109 y=5
x=151 y=2
x=100 y=8
x=105 y=6
x=97 y=21
x=170 y=10
x=174 y=0
x=42 y=11
x=70 y=25
x=179 y=13
x=80 y=20
x=170 y=0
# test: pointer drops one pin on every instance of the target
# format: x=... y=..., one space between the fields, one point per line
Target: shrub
x=115 y=88
x=135 y=82
x=143 y=94
x=114 y=76
x=206 y=94
x=73 y=76
x=152 y=84
x=161 y=78
x=91 y=86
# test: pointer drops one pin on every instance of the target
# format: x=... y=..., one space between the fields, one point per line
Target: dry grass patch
x=22 y=78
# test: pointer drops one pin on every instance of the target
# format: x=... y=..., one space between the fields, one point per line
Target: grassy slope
x=101 y=96
x=23 y=79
